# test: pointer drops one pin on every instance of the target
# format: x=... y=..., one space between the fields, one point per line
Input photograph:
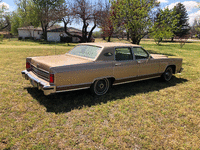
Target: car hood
x=46 y=62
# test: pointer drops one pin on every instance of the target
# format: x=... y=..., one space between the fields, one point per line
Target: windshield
x=86 y=51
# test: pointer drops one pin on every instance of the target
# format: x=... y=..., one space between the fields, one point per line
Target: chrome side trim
x=101 y=78
x=135 y=80
x=74 y=85
x=72 y=90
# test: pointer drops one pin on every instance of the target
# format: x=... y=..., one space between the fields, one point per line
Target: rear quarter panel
x=82 y=73
x=165 y=62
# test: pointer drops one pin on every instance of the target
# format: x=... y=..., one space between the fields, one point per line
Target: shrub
x=1 y=37
x=19 y=38
x=26 y=38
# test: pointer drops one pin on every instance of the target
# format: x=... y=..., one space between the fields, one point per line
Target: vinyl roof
x=111 y=44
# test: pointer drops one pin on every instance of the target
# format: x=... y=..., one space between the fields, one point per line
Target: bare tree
x=83 y=12
x=5 y=23
x=195 y=29
x=105 y=22
x=182 y=39
x=107 y=28
x=68 y=18
x=4 y=18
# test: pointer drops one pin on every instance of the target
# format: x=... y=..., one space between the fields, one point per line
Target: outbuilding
x=59 y=35
x=53 y=34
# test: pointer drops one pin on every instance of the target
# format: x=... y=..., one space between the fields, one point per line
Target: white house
x=58 y=35
x=30 y=32
x=53 y=34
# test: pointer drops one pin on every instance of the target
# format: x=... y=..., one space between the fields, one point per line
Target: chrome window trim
x=144 y=51
x=123 y=47
x=86 y=57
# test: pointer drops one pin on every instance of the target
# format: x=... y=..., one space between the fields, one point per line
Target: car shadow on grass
x=67 y=101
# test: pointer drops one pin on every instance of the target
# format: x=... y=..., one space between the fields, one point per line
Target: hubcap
x=101 y=86
x=168 y=74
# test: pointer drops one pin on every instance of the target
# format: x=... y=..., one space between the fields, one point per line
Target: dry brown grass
x=142 y=115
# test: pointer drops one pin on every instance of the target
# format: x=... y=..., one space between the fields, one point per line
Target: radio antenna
x=55 y=47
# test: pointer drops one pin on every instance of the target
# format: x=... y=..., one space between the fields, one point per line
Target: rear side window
x=140 y=53
x=123 y=53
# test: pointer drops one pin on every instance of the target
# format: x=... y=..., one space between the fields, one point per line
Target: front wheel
x=167 y=75
x=100 y=87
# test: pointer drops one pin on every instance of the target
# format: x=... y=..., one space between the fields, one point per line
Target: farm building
x=30 y=32
x=53 y=34
x=59 y=35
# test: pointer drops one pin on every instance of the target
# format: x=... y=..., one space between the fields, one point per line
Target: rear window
x=87 y=51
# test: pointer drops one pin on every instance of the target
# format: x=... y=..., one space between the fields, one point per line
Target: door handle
x=118 y=64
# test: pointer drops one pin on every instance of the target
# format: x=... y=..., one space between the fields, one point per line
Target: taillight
x=28 y=65
x=51 y=78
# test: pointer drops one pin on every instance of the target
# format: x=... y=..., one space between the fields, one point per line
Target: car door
x=125 y=66
x=146 y=65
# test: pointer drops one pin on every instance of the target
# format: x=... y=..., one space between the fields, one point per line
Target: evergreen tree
x=182 y=17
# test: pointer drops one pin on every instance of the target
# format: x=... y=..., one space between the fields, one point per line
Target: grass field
x=142 y=115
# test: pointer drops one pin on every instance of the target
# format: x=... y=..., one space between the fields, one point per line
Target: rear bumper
x=36 y=82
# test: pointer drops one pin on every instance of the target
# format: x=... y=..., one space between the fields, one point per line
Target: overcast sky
x=191 y=6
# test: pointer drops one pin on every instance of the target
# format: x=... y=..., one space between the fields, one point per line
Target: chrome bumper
x=47 y=89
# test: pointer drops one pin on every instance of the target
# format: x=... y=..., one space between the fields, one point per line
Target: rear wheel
x=100 y=87
x=167 y=75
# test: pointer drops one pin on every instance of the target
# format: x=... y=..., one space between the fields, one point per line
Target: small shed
x=30 y=32
x=53 y=34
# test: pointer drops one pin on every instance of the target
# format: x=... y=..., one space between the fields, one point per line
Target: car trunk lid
x=46 y=62
x=40 y=66
x=158 y=56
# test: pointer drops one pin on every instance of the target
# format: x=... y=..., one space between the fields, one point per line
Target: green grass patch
x=142 y=115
